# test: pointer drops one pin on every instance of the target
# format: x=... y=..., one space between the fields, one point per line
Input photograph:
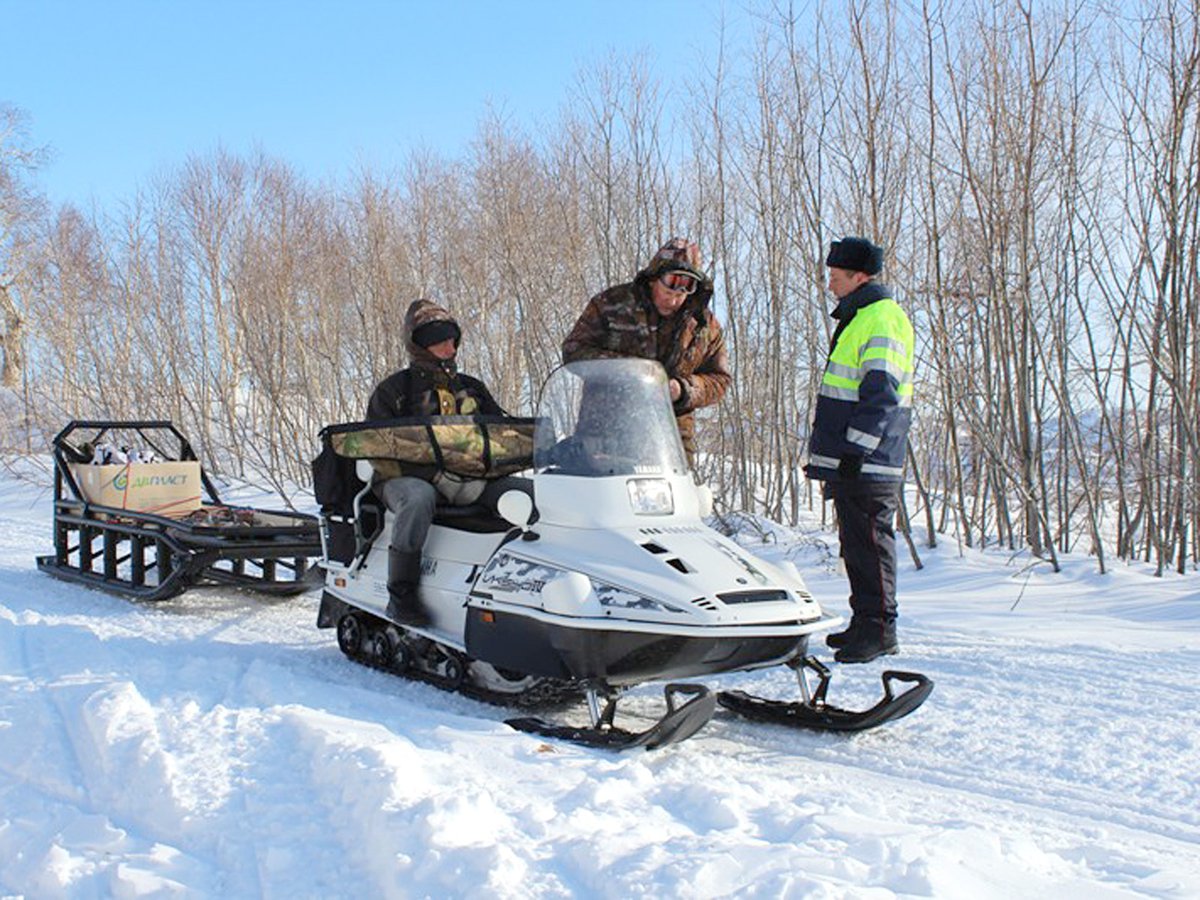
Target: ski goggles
x=678 y=282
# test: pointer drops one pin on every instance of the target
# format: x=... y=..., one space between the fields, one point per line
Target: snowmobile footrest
x=679 y=723
x=816 y=714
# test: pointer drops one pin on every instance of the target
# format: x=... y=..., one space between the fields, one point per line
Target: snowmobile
x=603 y=576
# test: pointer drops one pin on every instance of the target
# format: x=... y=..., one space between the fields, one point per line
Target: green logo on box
x=121 y=481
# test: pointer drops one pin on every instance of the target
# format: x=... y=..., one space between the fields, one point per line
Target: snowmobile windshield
x=604 y=417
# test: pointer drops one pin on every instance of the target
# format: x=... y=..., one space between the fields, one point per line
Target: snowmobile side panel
x=331 y=610
x=514 y=642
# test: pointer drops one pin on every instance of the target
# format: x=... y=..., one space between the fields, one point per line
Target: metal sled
x=153 y=556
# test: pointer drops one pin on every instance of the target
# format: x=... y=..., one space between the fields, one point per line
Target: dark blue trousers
x=866 y=514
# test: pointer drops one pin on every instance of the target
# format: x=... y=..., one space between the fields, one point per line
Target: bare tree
x=1033 y=170
x=21 y=211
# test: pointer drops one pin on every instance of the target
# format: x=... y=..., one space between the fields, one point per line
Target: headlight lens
x=650 y=496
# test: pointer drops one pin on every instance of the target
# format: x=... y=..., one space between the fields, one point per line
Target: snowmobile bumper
x=616 y=655
x=814 y=713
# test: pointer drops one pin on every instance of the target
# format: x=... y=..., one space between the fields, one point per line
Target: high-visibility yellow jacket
x=864 y=405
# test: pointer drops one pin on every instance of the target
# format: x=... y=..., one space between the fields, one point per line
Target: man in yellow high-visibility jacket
x=858 y=440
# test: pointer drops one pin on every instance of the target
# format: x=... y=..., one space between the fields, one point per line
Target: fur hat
x=856 y=254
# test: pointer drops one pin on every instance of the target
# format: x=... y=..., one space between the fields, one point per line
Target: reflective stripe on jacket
x=864 y=405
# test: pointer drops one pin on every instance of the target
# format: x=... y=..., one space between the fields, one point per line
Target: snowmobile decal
x=614 y=597
x=513 y=575
x=741 y=560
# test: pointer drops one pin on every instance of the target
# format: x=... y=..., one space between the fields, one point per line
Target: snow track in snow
x=220 y=745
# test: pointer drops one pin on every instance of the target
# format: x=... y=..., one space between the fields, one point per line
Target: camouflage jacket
x=622 y=321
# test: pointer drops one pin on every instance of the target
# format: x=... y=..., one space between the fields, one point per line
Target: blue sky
x=123 y=89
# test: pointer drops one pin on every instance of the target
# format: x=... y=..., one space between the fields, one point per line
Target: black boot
x=872 y=639
x=837 y=640
x=404 y=574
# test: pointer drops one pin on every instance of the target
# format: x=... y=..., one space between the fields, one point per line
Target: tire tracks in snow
x=1032 y=726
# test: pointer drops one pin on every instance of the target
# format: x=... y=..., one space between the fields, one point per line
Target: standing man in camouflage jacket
x=662 y=314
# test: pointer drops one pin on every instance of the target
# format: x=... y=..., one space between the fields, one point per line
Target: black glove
x=849 y=467
x=685 y=395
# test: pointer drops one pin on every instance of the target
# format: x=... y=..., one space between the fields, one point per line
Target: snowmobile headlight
x=650 y=496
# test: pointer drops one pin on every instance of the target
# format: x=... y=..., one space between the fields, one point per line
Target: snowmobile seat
x=475 y=517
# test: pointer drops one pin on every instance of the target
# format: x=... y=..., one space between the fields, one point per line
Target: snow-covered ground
x=219 y=745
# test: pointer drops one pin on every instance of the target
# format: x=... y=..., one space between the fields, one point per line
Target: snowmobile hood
x=683 y=575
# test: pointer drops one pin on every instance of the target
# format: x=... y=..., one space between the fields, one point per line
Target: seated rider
x=430 y=386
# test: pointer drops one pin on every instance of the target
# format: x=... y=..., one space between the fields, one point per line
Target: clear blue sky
x=123 y=89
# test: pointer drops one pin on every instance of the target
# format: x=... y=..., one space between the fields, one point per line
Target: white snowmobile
x=607 y=577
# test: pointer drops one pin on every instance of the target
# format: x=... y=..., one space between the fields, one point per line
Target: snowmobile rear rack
x=150 y=556
x=814 y=713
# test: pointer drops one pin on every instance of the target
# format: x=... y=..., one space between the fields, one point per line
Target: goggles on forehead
x=679 y=282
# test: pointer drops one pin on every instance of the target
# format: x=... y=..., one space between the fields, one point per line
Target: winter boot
x=404 y=573
x=872 y=639
x=838 y=640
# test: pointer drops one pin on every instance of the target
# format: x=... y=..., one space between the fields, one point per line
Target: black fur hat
x=857 y=254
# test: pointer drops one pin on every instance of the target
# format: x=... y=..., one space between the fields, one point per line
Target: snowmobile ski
x=814 y=713
x=679 y=723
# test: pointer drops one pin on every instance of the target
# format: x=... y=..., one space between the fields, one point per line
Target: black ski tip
x=820 y=716
x=679 y=724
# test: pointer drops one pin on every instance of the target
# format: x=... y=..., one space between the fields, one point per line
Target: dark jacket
x=864 y=404
x=622 y=321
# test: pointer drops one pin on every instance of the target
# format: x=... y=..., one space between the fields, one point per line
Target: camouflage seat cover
x=422 y=447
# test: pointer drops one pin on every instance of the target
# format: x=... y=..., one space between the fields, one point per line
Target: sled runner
x=605 y=578
x=151 y=530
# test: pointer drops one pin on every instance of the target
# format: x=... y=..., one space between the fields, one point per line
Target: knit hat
x=856 y=254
